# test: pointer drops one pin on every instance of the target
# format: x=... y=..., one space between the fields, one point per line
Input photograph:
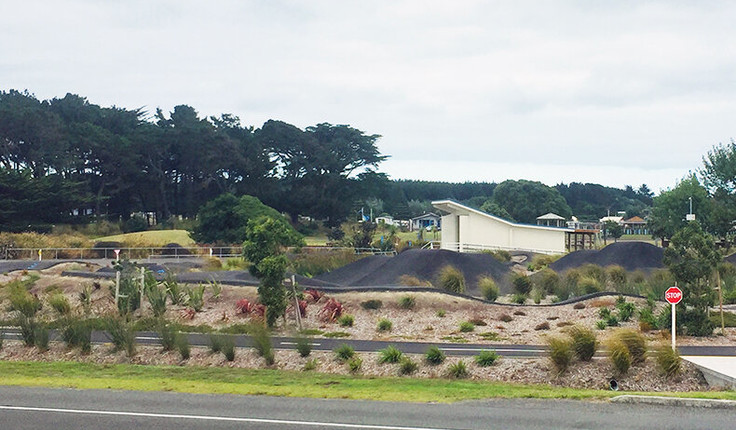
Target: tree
x=264 y=246
x=719 y=178
x=671 y=206
x=692 y=258
x=526 y=200
x=493 y=208
x=612 y=229
x=224 y=219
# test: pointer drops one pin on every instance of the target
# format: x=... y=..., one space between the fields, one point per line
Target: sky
x=610 y=92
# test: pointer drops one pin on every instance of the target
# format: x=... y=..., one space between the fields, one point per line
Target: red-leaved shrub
x=331 y=311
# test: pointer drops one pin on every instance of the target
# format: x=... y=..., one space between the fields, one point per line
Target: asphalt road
x=24 y=408
x=329 y=344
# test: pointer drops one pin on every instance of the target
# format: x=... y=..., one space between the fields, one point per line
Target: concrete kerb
x=675 y=401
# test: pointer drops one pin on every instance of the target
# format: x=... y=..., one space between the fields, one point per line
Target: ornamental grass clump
x=262 y=343
x=346 y=320
x=344 y=352
x=77 y=333
x=466 y=327
x=560 y=353
x=384 y=325
x=407 y=302
x=620 y=356
x=167 y=334
x=60 y=304
x=303 y=346
x=458 y=370
x=584 y=342
x=635 y=342
x=434 y=356
x=390 y=354
x=668 y=360
x=121 y=334
x=182 y=345
x=407 y=366
x=451 y=279
x=488 y=288
x=486 y=358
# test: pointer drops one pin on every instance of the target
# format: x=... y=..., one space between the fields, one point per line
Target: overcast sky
x=612 y=92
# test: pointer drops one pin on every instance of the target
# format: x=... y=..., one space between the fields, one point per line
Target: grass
x=214 y=380
x=152 y=238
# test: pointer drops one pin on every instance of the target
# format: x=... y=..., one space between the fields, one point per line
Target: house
x=465 y=229
x=426 y=220
x=551 y=220
x=635 y=225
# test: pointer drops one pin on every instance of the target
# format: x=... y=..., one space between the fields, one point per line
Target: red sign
x=673 y=295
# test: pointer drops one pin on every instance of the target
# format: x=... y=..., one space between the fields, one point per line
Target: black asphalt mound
x=423 y=264
x=629 y=255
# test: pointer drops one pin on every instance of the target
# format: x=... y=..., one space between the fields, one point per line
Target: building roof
x=427 y=215
x=635 y=220
x=550 y=216
x=453 y=206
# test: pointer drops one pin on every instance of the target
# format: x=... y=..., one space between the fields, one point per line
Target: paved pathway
x=719 y=371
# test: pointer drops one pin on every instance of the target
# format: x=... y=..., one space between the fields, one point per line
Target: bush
x=451 y=279
x=216 y=343
x=537 y=295
x=501 y=255
x=612 y=321
x=331 y=311
x=121 y=334
x=466 y=326
x=195 y=298
x=617 y=277
x=407 y=302
x=228 y=349
x=384 y=325
x=77 y=333
x=522 y=283
x=156 y=296
x=262 y=342
x=604 y=312
x=601 y=325
x=182 y=344
x=486 y=358
x=548 y=280
x=560 y=353
x=355 y=364
x=407 y=366
x=167 y=333
x=390 y=354
x=620 y=356
x=413 y=281
x=668 y=361
x=371 y=304
x=441 y=313
x=310 y=365
x=23 y=302
x=344 y=352
x=625 y=311
x=659 y=281
x=458 y=370
x=60 y=304
x=346 y=320
x=41 y=338
x=28 y=326
x=434 y=355
x=635 y=342
x=589 y=285
x=173 y=290
x=584 y=342
x=519 y=299
x=303 y=346
x=488 y=288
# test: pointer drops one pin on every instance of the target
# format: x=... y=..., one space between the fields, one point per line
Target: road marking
x=147 y=338
x=488 y=349
x=213 y=418
x=294 y=343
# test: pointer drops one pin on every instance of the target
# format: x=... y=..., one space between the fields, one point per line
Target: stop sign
x=673 y=295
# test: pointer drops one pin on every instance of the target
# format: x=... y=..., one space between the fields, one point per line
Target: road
x=329 y=344
x=24 y=408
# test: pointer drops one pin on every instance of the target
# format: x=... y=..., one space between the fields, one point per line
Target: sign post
x=117 y=255
x=673 y=295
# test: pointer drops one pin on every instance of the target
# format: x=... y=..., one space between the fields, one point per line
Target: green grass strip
x=216 y=380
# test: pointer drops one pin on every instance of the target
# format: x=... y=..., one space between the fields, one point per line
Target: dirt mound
x=629 y=255
x=423 y=264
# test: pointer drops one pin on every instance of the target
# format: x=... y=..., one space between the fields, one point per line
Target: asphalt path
x=329 y=344
x=25 y=408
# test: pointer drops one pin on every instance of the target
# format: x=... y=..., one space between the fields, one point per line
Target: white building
x=424 y=221
x=466 y=229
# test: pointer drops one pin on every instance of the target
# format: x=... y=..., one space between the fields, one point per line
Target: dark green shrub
x=261 y=339
x=77 y=333
x=451 y=279
x=466 y=326
x=371 y=304
x=560 y=353
x=604 y=313
x=121 y=334
x=584 y=342
x=228 y=349
x=434 y=355
x=620 y=356
x=522 y=283
x=635 y=342
x=167 y=333
x=486 y=358
x=390 y=354
x=519 y=299
x=216 y=343
x=384 y=325
x=458 y=370
x=612 y=321
x=668 y=360
x=182 y=344
x=488 y=288
x=303 y=346
x=344 y=352
x=346 y=320
x=625 y=311
x=407 y=302
x=41 y=338
x=601 y=325
x=60 y=304
x=407 y=366
x=355 y=364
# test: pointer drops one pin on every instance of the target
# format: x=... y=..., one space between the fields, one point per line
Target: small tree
x=266 y=239
x=691 y=258
x=612 y=229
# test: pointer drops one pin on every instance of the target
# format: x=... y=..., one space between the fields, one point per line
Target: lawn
x=216 y=380
x=151 y=238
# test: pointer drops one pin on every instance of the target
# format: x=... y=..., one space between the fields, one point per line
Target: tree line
x=66 y=160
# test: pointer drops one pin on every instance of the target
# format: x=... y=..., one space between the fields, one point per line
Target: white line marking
x=214 y=418
x=294 y=343
x=487 y=349
x=147 y=338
